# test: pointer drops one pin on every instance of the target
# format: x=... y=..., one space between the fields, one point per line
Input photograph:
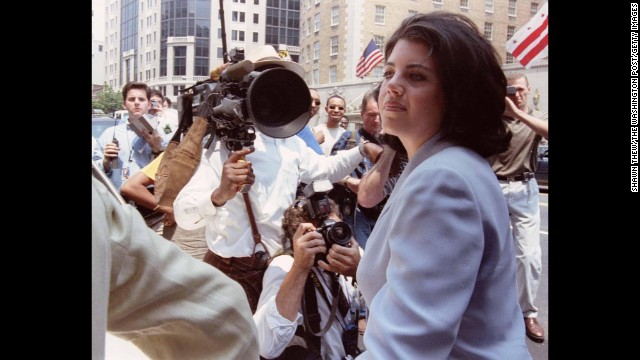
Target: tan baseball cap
x=266 y=55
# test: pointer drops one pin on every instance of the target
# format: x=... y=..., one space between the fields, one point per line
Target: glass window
x=335 y=15
x=316 y=50
x=464 y=4
x=255 y=37
x=512 y=7
x=334 y=45
x=509 y=58
x=379 y=40
x=379 y=14
x=179 y=60
x=317 y=22
x=316 y=76
x=534 y=8
x=256 y=18
x=333 y=74
x=488 y=31
x=510 y=31
x=488 y=6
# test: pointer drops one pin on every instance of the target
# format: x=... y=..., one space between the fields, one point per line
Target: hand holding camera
x=307 y=244
x=236 y=173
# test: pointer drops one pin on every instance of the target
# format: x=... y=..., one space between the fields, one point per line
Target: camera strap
x=254 y=227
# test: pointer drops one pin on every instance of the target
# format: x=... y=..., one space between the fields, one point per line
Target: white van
x=121 y=115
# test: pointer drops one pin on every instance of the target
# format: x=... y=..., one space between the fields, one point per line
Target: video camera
x=318 y=207
x=273 y=99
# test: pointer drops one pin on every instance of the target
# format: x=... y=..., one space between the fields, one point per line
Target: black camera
x=318 y=207
x=275 y=100
x=512 y=90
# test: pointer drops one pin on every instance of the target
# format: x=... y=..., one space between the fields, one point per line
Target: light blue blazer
x=439 y=271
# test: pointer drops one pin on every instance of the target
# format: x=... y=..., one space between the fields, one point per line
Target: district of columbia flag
x=529 y=44
x=371 y=57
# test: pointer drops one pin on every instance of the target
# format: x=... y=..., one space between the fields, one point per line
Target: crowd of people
x=414 y=236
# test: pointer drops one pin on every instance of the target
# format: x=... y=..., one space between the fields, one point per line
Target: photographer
x=273 y=168
x=281 y=317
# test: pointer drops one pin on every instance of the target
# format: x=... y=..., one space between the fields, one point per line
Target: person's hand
x=236 y=172
x=306 y=244
x=352 y=184
x=510 y=109
x=392 y=141
x=111 y=151
x=154 y=140
x=319 y=136
x=343 y=260
x=169 y=219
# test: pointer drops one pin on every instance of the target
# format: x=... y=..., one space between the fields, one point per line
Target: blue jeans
x=363 y=228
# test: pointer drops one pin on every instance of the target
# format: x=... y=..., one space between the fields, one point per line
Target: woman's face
x=411 y=98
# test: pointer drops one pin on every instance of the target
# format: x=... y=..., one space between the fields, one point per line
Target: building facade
x=172 y=44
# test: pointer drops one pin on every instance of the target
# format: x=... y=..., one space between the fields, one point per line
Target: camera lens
x=339 y=233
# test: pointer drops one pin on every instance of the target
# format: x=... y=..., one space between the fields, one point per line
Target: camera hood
x=278 y=102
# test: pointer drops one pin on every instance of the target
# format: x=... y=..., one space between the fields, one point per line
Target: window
x=237 y=35
x=464 y=4
x=437 y=2
x=377 y=71
x=488 y=6
x=333 y=74
x=201 y=66
x=334 y=45
x=379 y=40
x=219 y=53
x=316 y=50
x=309 y=25
x=488 y=31
x=335 y=15
x=308 y=53
x=99 y=48
x=509 y=58
x=379 y=14
x=256 y=2
x=179 y=60
x=512 y=7
x=316 y=76
x=510 y=31
x=256 y=18
x=237 y=16
x=534 y=8
x=255 y=37
x=317 y=22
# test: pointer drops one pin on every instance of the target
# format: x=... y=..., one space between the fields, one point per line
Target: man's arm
x=540 y=127
x=371 y=187
x=151 y=293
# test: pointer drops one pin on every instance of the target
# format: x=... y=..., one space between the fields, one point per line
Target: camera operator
x=273 y=167
x=297 y=279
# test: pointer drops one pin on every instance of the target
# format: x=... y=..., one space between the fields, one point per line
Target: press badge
x=125 y=173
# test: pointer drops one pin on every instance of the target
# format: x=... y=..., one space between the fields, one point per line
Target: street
x=541 y=351
x=118 y=349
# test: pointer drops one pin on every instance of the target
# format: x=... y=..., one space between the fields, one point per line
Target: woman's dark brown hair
x=472 y=79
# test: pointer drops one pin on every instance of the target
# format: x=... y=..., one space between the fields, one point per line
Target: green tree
x=108 y=100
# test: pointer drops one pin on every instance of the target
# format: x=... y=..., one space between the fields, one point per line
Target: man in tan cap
x=273 y=167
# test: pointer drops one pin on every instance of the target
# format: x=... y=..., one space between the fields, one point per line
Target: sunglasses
x=336 y=106
x=317 y=102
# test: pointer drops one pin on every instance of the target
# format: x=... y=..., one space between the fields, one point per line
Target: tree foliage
x=108 y=100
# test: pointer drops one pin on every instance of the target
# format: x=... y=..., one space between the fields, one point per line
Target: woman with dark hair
x=439 y=270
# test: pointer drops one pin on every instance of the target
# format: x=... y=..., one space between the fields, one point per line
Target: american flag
x=369 y=59
x=530 y=42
